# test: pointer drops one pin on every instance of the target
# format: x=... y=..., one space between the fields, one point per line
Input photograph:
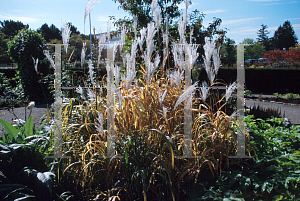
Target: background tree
x=284 y=37
x=142 y=9
x=228 y=53
x=73 y=29
x=4 y=58
x=254 y=51
x=263 y=37
x=11 y=28
x=25 y=45
x=49 y=33
x=194 y=22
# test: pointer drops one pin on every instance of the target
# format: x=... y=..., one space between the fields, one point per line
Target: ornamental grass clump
x=149 y=131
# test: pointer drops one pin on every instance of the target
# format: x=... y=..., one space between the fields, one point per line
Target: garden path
x=292 y=112
x=37 y=112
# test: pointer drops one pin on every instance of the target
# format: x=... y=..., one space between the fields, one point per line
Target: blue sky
x=242 y=18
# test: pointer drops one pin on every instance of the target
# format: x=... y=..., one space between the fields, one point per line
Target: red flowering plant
x=283 y=58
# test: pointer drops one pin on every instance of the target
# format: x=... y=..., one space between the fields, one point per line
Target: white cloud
x=23 y=19
x=270 y=4
x=291 y=19
x=296 y=26
x=102 y=19
x=214 y=11
x=243 y=30
x=240 y=21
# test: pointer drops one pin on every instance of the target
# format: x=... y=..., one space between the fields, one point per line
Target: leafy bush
x=278 y=95
x=23 y=167
x=290 y=96
x=28 y=44
x=9 y=95
x=273 y=173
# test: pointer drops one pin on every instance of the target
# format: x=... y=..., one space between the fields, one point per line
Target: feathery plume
x=83 y=54
x=164 y=111
x=185 y=95
x=150 y=68
x=165 y=56
x=216 y=59
x=153 y=6
x=123 y=33
x=204 y=90
x=47 y=54
x=161 y=97
x=117 y=75
x=176 y=77
x=89 y=7
x=157 y=18
x=192 y=52
x=66 y=32
x=230 y=89
x=91 y=95
x=79 y=90
x=191 y=35
x=133 y=53
x=185 y=16
x=174 y=52
x=135 y=25
x=130 y=72
x=209 y=49
x=101 y=46
x=141 y=39
x=35 y=63
x=108 y=32
x=181 y=30
x=31 y=105
x=149 y=40
x=99 y=123
x=120 y=98
x=91 y=72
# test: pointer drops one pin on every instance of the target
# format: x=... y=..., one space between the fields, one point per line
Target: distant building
x=114 y=39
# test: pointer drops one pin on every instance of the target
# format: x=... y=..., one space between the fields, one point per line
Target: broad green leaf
x=9 y=129
x=297 y=171
x=28 y=127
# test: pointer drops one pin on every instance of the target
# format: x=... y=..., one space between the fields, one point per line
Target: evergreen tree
x=73 y=29
x=49 y=32
x=284 y=37
x=228 y=52
x=263 y=37
x=11 y=28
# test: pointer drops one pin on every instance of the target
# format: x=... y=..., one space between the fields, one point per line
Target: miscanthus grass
x=148 y=125
x=66 y=32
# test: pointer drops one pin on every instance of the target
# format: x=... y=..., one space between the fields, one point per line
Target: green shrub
x=291 y=96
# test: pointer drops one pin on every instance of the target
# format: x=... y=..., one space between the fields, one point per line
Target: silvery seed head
x=83 y=54
x=230 y=89
x=186 y=94
x=31 y=105
x=204 y=90
x=66 y=32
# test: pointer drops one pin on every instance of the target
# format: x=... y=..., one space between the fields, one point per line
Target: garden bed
x=278 y=100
